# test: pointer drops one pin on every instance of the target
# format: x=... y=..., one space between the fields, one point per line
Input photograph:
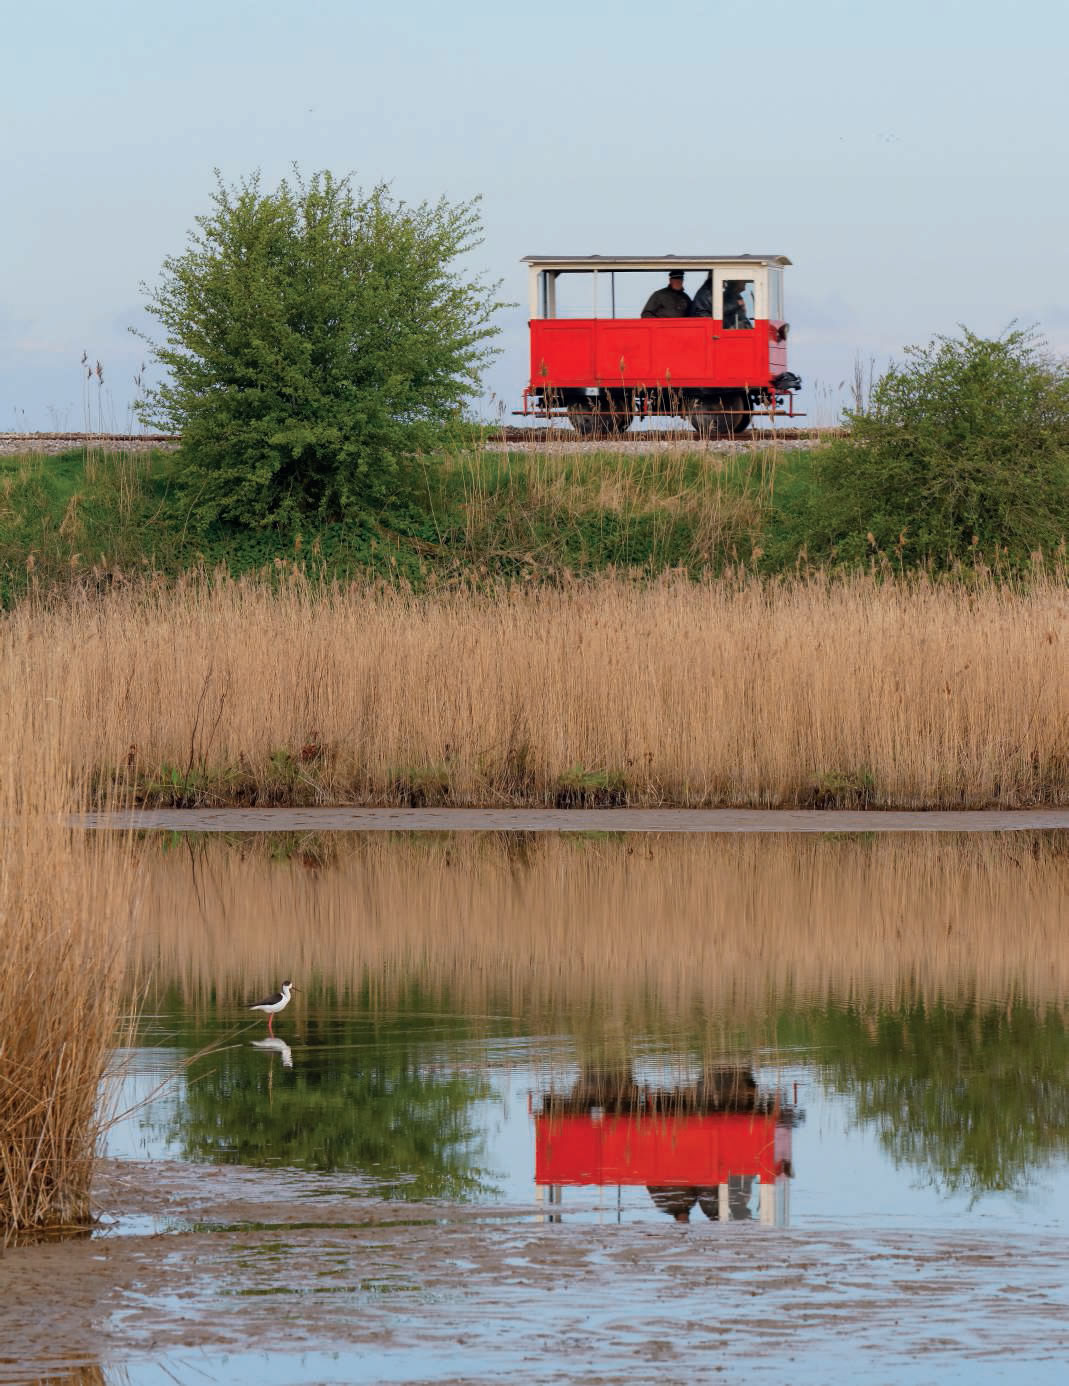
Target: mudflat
x=220 y=1261
x=621 y=820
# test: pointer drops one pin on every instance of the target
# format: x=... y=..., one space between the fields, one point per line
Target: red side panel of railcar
x=666 y=353
x=698 y=1150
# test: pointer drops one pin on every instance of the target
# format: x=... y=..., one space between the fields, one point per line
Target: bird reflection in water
x=273 y=1045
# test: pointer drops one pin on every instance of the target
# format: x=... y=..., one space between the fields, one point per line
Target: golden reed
x=910 y=694
x=65 y=907
x=702 y=929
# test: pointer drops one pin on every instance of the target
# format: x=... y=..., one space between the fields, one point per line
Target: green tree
x=964 y=447
x=315 y=336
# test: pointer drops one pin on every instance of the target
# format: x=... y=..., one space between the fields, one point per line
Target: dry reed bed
x=65 y=911
x=637 y=928
x=890 y=694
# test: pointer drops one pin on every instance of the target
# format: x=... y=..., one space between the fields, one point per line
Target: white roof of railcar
x=646 y=262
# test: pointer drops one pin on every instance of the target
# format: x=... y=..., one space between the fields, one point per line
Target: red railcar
x=597 y=358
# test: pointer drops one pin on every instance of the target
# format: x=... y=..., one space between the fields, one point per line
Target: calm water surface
x=791 y=1033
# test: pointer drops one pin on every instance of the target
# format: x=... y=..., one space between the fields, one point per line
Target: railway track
x=551 y=437
x=12 y=444
x=511 y=434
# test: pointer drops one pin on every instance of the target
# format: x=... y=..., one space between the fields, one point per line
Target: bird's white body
x=271 y=1005
x=274 y=1045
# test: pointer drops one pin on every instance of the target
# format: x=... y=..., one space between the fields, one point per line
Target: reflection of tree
x=976 y=1096
x=378 y=1114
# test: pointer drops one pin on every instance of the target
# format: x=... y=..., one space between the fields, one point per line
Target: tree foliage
x=314 y=336
x=963 y=448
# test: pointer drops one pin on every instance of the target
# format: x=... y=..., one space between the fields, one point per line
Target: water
x=954 y=1116
x=841 y=1061
x=894 y=1007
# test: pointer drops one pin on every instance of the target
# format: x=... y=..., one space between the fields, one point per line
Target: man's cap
x=675 y=274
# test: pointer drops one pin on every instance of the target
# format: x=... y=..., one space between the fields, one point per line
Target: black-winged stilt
x=271 y=1005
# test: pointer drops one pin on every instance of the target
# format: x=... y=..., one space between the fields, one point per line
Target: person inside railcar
x=671 y=302
x=702 y=303
x=735 y=314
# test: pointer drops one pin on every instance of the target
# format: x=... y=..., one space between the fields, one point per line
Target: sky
x=909 y=158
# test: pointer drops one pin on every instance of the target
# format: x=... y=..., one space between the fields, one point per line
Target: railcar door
x=738 y=299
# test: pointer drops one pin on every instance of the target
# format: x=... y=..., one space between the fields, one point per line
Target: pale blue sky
x=910 y=158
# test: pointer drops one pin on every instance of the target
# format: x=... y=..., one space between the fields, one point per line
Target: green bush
x=964 y=449
x=315 y=338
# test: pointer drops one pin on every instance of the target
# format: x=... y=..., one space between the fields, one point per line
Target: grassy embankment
x=65 y=909
x=98 y=516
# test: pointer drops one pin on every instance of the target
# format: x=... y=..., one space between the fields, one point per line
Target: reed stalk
x=64 y=906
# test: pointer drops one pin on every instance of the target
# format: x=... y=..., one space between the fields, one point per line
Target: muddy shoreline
x=273 y=1262
x=238 y=820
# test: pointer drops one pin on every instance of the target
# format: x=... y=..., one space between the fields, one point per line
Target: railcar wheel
x=723 y=418
x=596 y=419
x=586 y=419
x=706 y=422
x=738 y=413
x=616 y=420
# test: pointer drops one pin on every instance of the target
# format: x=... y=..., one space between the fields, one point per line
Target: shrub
x=964 y=448
x=313 y=334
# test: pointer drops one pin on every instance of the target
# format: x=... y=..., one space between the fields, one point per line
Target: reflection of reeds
x=643 y=927
x=88 y=1375
x=817 y=693
x=61 y=941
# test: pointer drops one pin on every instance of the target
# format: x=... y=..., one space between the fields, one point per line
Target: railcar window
x=623 y=294
x=578 y=296
x=619 y=294
x=775 y=294
x=738 y=304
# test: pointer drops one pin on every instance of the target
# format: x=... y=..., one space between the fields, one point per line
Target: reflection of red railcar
x=597 y=358
x=639 y=1149
x=707 y=1143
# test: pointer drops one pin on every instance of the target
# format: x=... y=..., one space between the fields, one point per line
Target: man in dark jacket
x=671 y=302
x=702 y=306
x=735 y=304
